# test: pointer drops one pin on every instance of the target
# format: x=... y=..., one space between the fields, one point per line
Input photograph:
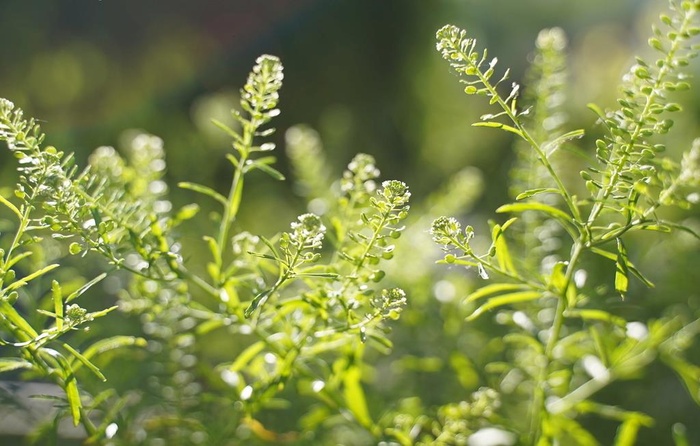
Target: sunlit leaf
x=355 y=395
x=496 y=288
x=112 y=343
x=84 y=361
x=79 y=292
x=57 y=296
x=203 y=190
x=630 y=266
x=246 y=356
x=504 y=299
x=565 y=219
x=532 y=192
x=9 y=364
x=498 y=125
x=621 y=270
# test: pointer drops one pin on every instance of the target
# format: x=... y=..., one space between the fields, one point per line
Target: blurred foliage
x=365 y=75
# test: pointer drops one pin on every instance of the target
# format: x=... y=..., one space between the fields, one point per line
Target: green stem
x=604 y=193
x=539 y=409
x=232 y=203
x=528 y=138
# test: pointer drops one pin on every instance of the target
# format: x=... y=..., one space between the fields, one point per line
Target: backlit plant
x=304 y=313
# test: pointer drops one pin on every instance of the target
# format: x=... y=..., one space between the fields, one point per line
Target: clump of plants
x=305 y=311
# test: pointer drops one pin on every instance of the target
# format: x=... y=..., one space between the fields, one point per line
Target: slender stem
x=231 y=208
x=529 y=139
x=539 y=409
x=604 y=193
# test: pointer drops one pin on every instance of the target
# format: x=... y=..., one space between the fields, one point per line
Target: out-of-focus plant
x=265 y=339
x=565 y=342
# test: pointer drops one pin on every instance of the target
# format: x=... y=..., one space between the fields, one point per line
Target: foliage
x=306 y=312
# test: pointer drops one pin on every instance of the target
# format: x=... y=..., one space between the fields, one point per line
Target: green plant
x=564 y=342
x=274 y=338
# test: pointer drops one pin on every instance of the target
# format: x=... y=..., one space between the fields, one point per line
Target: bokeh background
x=366 y=76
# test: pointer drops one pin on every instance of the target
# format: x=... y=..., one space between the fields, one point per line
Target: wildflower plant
x=565 y=344
x=302 y=303
x=304 y=312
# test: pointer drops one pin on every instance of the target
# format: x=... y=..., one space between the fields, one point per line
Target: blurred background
x=365 y=74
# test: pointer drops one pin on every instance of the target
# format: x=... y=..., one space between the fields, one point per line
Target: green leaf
x=621 y=270
x=597 y=315
x=533 y=192
x=8 y=312
x=496 y=288
x=565 y=219
x=57 y=295
x=498 y=125
x=257 y=301
x=96 y=314
x=524 y=340
x=26 y=279
x=11 y=207
x=203 y=190
x=630 y=266
x=574 y=134
x=246 y=356
x=112 y=343
x=558 y=277
x=9 y=364
x=505 y=262
x=69 y=384
x=73 y=397
x=236 y=199
x=80 y=291
x=271 y=247
x=505 y=299
x=84 y=361
x=689 y=373
x=597 y=110
x=228 y=130
x=355 y=395
x=186 y=212
x=274 y=173
x=213 y=248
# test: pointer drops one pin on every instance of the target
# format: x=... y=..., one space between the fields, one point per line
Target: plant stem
x=539 y=409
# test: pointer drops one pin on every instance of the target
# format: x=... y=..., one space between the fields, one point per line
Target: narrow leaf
x=558 y=141
x=565 y=219
x=57 y=295
x=533 y=192
x=9 y=364
x=496 y=288
x=505 y=262
x=274 y=173
x=597 y=315
x=203 y=190
x=80 y=291
x=114 y=342
x=9 y=313
x=73 y=397
x=621 y=270
x=83 y=360
x=246 y=356
x=26 y=279
x=11 y=207
x=355 y=396
x=257 y=301
x=228 y=130
x=498 y=125
x=504 y=299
